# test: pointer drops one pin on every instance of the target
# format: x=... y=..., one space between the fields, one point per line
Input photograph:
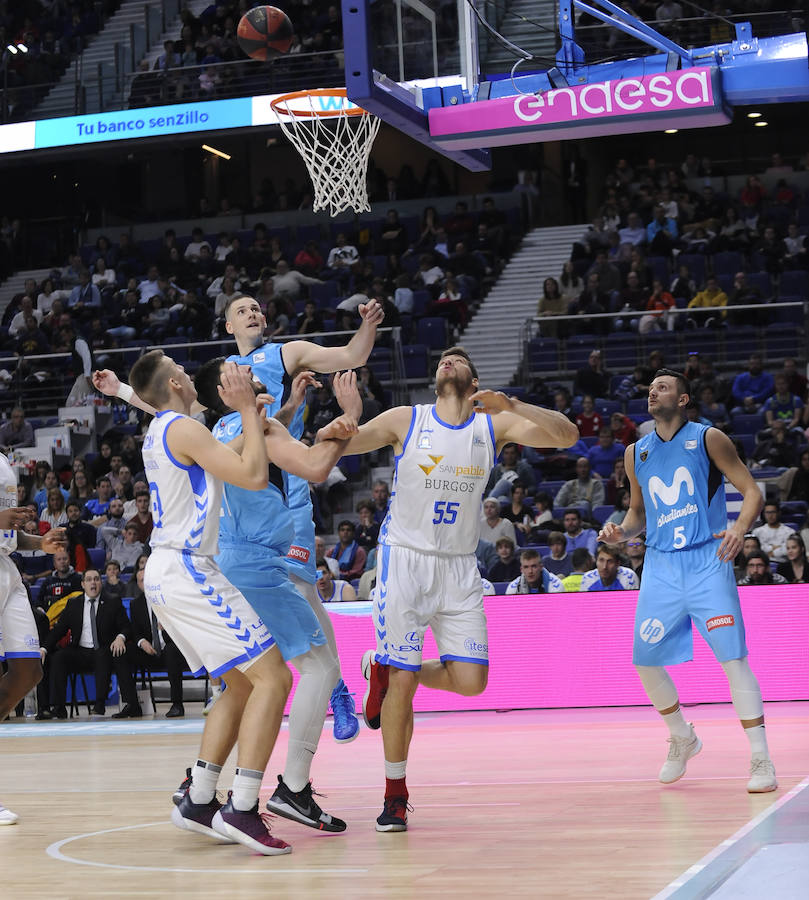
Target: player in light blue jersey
x=275 y=365
x=427 y=575
x=255 y=533
x=677 y=477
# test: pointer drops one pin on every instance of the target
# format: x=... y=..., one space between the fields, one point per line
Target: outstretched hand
x=303 y=380
x=344 y=385
x=106 y=381
x=491 y=402
x=236 y=387
x=340 y=429
x=53 y=540
x=611 y=534
x=371 y=312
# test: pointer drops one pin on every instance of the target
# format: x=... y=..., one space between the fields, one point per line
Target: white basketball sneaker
x=680 y=751
x=762 y=776
x=7 y=817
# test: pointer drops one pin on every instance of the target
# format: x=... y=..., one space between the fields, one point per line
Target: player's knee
x=402 y=682
x=468 y=679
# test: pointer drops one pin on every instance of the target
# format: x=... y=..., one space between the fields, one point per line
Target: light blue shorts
x=262 y=576
x=300 y=560
x=680 y=587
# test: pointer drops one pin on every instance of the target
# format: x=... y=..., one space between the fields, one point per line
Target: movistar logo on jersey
x=669 y=494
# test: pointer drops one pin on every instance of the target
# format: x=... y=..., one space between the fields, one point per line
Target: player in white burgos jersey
x=427 y=574
x=19 y=641
x=212 y=624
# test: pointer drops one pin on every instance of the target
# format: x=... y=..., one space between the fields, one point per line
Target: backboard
x=416 y=65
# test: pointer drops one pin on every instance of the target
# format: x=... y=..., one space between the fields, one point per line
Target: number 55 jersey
x=438 y=484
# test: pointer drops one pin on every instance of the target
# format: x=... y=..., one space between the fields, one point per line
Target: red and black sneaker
x=394 y=814
x=377 y=677
x=182 y=790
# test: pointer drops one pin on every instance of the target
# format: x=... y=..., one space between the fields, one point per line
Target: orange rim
x=312 y=114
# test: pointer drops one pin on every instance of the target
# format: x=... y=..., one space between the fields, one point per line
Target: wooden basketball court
x=558 y=803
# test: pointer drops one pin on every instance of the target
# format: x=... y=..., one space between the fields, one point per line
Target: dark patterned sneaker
x=182 y=790
x=394 y=814
x=301 y=807
x=198 y=817
x=377 y=677
x=250 y=828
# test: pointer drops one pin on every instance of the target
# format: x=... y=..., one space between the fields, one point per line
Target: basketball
x=264 y=31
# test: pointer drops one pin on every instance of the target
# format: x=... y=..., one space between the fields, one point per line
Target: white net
x=335 y=149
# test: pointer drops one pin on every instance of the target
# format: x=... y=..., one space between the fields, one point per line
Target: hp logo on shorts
x=651 y=631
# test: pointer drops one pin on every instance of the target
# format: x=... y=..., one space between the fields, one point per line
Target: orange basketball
x=264 y=31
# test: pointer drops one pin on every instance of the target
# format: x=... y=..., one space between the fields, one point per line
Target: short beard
x=452 y=386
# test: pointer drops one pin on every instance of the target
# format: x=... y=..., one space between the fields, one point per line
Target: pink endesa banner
x=686 y=98
x=569 y=650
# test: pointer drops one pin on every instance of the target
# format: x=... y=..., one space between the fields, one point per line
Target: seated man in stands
x=16 y=432
x=752 y=388
x=783 y=405
x=575 y=535
x=510 y=468
x=773 y=534
x=558 y=562
x=708 y=298
x=593 y=379
x=758 y=571
x=533 y=578
x=507 y=566
x=603 y=455
x=584 y=489
x=127 y=549
x=776 y=450
x=110 y=526
x=609 y=574
x=331 y=589
x=348 y=553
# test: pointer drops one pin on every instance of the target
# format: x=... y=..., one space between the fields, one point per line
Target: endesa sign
x=691 y=98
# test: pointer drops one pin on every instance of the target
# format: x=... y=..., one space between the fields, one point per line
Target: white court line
x=717 y=851
x=55 y=851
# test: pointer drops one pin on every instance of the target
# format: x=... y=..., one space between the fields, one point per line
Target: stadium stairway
x=492 y=337
x=15 y=284
x=101 y=50
x=520 y=26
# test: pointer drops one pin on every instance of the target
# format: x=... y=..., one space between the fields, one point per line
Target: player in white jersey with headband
x=427 y=575
x=19 y=641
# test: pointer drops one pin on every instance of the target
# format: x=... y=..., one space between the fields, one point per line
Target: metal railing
x=41 y=382
x=532 y=329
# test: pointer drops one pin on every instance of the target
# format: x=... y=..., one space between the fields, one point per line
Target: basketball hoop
x=334 y=136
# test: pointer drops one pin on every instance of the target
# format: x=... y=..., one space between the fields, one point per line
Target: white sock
x=245 y=789
x=395 y=770
x=660 y=690
x=204 y=777
x=758 y=741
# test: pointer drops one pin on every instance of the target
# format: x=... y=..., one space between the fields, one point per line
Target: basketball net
x=334 y=137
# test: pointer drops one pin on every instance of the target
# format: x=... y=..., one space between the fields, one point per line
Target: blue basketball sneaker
x=346 y=723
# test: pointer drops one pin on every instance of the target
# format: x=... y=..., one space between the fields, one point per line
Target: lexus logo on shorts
x=651 y=631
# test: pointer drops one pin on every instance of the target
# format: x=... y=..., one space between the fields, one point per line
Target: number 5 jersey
x=683 y=490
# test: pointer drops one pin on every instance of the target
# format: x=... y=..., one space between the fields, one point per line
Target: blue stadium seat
x=432 y=331
x=579 y=347
x=637 y=405
x=416 y=363
x=696 y=266
x=728 y=262
x=421 y=300
x=324 y=294
x=621 y=350
x=743 y=423
x=380 y=363
x=602 y=513
x=741 y=341
x=97 y=557
x=701 y=341
x=794 y=283
x=543 y=355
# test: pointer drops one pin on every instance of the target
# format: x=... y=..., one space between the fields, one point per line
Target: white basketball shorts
x=415 y=591
x=210 y=621
x=18 y=631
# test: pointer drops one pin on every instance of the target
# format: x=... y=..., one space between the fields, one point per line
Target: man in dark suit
x=151 y=648
x=98 y=630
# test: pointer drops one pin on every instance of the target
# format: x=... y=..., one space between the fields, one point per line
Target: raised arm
x=109 y=384
x=387 y=429
x=635 y=519
x=190 y=442
x=308 y=355
x=524 y=423
x=724 y=456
